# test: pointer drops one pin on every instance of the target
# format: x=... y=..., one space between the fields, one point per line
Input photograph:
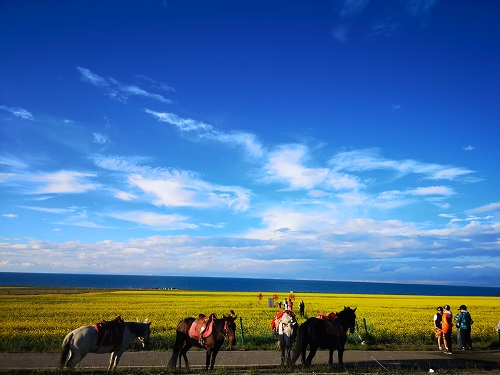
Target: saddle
x=332 y=324
x=276 y=321
x=110 y=332
x=198 y=324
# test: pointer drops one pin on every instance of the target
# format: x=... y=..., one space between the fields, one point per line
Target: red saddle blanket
x=275 y=321
x=194 y=330
x=110 y=333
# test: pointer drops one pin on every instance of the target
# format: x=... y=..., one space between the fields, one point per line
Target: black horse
x=222 y=329
x=330 y=333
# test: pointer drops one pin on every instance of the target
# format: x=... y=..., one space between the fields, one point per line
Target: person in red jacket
x=447 y=326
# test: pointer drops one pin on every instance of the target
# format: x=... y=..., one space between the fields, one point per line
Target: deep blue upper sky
x=340 y=140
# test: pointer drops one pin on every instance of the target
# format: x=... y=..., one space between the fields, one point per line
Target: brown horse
x=325 y=334
x=222 y=329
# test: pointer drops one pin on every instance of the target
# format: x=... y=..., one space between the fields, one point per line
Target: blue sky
x=337 y=140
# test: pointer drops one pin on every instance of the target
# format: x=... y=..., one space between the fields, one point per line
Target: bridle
x=225 y=329
x=344 y=324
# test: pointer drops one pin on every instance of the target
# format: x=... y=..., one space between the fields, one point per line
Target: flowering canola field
x=38 y=323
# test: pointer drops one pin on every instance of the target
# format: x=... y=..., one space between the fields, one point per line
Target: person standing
x=301 y=308
x=447 y=327
x=438 y=317
x=464 y=322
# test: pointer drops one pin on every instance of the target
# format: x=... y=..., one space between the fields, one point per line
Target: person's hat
x=447 y=307
x=462 y=307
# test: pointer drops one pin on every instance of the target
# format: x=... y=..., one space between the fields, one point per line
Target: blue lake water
x=235 y=284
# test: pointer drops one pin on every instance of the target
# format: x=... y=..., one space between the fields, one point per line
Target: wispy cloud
x=386 y=21
x=366 y=160
x=155 y=84
x=51 y=210
x=486 y=208
x=18 y=112
x=64 y=182
x=287 y=165
x=205 y=131
x=118 y=90
x=156 y=221
x=101 y=139
x=172 y=187
x=60 y=182
x=10 y=216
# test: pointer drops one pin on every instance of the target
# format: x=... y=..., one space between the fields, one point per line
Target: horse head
x=348 y=318
x=230 y=328
x=142 y=332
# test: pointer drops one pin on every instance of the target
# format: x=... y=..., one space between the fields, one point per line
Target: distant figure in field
x=438 y=317
x=301 y=308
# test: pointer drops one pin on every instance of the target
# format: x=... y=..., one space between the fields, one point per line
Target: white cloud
x=101 y=139
x=432 y=190
x=174 y=188
x=60 y=182
x=124 y=196
x=468 y=148
x=157 y=221
x=369 y=160
x=116 y=89
x=287 y=165
x=50 y=210
x=205 y=131
x=486 y=208
x=63 y=182
x=10 y=216
x=92 y=78
x=19 y=112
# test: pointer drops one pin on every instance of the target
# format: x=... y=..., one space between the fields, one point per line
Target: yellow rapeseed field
x=38 y=323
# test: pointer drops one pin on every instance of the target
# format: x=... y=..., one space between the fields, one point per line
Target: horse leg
x=208 y=356
x=114 y=359
x=341 y=351
x=312 y=353
x=330 y=357
x=183 y=354
x=289 y=356
x=214 y=355
x=74 y=357
x=282 y=346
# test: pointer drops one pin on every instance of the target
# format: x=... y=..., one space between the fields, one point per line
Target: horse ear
x=355 y=309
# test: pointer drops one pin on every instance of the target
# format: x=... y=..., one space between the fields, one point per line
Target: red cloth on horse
x=194 y=330
x=110 y=333
x=279 y=316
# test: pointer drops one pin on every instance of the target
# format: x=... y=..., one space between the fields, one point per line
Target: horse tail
x=179 y=341
x=175 y=351
x=65 y=350
x=301 y=344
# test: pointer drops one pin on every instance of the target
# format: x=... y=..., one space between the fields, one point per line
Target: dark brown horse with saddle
x=325 y=332
x=216 y=331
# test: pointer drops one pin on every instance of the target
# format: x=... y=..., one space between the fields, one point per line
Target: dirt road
x=363 y=359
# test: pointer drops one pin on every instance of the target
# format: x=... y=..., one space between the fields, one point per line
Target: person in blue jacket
x=464 y=322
